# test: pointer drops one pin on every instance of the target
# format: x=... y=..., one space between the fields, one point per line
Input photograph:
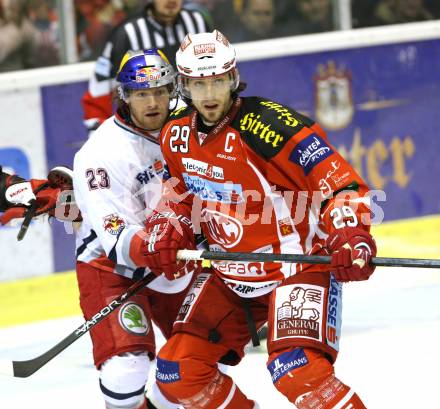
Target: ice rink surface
x=389 y=352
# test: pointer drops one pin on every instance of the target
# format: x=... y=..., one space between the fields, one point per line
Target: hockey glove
x=351 y=252
x=17 y=196
x=166 y=233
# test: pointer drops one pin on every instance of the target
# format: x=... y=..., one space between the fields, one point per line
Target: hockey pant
x=301 y=367
x=124 y=343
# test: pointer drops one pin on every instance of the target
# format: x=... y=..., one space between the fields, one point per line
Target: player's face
x=211 y=96
x=149 y=107
x=167 y=10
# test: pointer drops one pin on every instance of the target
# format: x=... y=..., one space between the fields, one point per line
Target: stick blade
x=20 y=369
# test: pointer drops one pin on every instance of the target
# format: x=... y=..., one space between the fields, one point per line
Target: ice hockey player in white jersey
x=117 y=182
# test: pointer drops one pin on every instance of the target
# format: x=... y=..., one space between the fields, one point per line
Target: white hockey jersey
x=117 y=178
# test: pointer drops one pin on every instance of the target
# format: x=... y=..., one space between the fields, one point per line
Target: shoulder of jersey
x=180 y=113
x=108 y=142
x=266 y=126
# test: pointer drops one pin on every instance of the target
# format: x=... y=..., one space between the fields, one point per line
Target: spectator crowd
x=30 y=37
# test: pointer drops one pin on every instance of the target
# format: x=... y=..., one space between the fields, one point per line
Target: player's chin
x=212 y=114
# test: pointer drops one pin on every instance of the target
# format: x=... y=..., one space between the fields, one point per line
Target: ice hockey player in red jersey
x=255 y=176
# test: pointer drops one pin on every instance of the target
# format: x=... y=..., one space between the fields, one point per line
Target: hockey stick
x=29 y=215
x=300 y=258
x=23 y=369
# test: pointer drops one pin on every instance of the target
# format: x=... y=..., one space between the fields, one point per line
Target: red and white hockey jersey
x=117 y=182
x=265 y=179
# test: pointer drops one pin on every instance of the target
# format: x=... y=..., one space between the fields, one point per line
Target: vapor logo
x=223 y=229
x=132 y=318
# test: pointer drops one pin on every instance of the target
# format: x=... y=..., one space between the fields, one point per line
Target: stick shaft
x=23 y=369
x=300 y=258
x=29 y=215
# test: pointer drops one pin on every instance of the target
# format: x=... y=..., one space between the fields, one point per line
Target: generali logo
x=300 y=312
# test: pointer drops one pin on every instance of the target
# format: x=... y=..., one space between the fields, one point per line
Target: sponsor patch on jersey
x=334 y=313
x=152 y=171
x=213 y=191
x=167 y=371
x=285 y=226
x=252 y=290
x=299 y=311
x=203 y=168
x=287 y=362
x=284 y=115
x=132 y=318
x=113 y=224
x=309 y=152
x=253 y=124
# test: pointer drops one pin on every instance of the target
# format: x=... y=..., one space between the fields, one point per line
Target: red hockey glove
x=352 y=249
x=17 y=195
x=168 y=232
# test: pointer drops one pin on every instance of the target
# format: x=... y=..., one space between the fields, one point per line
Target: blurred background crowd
x=30 y=29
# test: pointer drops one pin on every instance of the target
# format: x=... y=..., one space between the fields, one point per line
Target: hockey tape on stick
x=23 y=369
x=300 y=258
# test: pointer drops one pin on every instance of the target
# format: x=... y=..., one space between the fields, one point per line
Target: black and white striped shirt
x=145 y=32
x=137 y=33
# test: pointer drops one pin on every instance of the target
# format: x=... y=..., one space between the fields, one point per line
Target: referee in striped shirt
x=162 y=24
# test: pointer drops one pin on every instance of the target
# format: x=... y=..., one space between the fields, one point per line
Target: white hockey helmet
x=205 y=55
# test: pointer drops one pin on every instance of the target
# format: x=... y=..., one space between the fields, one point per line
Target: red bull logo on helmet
x=146 y=74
